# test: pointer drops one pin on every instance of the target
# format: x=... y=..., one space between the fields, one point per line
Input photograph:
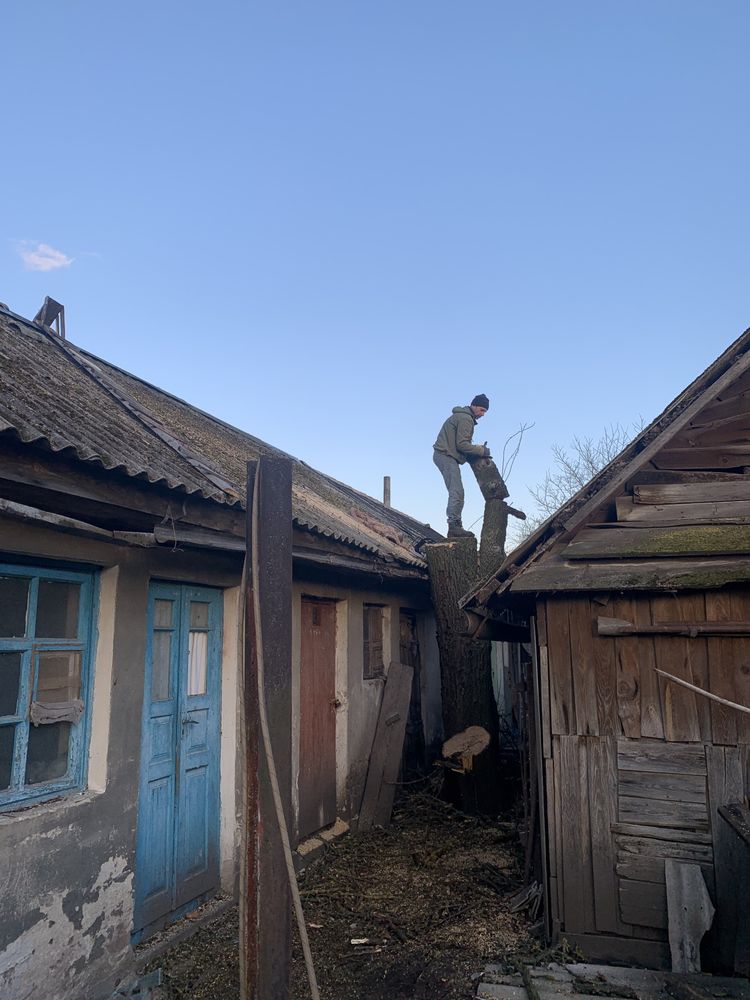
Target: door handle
x=186 y=719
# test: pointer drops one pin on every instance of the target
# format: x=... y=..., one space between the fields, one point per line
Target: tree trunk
x=492 y=542
x=487 y=474
x=496 y=511
x=465 y=667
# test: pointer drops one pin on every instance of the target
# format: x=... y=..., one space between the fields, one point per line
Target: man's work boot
x=456 y=531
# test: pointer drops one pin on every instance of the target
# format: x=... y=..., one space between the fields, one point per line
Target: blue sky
x=330 y=222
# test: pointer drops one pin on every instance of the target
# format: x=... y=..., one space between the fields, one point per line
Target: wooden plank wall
x=606 y=685
x=635 y=767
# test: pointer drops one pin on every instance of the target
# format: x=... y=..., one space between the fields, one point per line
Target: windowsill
x=57 y=804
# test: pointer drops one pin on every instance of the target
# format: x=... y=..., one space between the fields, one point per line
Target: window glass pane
x=6 y=754
x=59 y=677
x=47 y=756
x=14 y=595
x=197 y=662
x=10 y=675
x=163 y=614
x=198 y=614
x=57 y=610
x=160 y=657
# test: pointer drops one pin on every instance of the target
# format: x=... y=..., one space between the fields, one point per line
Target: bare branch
x=572 y=468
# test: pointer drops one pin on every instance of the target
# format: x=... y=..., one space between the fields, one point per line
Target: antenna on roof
x=52 y=313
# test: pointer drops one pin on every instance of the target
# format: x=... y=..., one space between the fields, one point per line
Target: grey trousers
x=451 y=473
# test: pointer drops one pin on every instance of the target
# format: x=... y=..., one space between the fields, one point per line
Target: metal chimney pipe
x=387 y=491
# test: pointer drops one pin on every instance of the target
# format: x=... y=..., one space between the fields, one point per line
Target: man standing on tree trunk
x=452 y=448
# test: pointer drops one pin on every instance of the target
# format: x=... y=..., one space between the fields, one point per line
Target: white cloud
x=42 y=257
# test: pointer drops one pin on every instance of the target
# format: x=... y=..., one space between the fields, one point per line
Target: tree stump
x=466 y=672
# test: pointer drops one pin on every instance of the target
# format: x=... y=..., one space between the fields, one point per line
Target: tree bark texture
x=465 y=667
x=496 y=512
x=487 y=475
x=492 y=541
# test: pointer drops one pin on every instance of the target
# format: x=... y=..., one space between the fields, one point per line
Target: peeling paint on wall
x=59 y=953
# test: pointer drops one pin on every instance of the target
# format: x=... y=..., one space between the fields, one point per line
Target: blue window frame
x=46 y=640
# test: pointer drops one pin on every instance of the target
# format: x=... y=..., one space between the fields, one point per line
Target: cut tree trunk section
x=465 y=667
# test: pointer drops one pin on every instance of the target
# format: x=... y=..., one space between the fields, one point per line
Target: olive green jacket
x=455 y=435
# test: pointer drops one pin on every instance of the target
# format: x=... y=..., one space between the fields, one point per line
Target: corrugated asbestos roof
x=57 y=396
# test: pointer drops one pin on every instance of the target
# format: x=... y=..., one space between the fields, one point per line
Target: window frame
x=18 y=794
x=368 y=674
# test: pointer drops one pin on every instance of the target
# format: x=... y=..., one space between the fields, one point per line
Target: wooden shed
x=646 y=569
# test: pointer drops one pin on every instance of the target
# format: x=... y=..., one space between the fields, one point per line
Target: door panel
x=317 y=765
x=178 y=814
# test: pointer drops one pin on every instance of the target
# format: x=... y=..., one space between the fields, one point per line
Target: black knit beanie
x=480 y=400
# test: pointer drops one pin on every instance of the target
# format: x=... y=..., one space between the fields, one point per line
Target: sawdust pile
x=412 y=911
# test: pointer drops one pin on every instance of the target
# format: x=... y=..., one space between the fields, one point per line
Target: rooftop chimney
x=52 y=313
x=387 y=491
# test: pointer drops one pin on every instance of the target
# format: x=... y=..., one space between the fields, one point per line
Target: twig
x=507 y=464
x=699 y=690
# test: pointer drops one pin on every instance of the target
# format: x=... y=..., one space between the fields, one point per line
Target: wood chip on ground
x=428 y=901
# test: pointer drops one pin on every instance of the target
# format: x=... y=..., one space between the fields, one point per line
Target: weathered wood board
x=630 y=512
x=562 y=706
x=558 y=575
x=602 y=774
x=385 y=756
x=671 y=493
x=659 y=541
x=643 y=903
x=689 y=913
x=652 y=755
x=578 y=896
x=725 y=786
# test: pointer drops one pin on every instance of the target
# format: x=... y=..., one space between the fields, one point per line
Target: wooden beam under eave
x=479 y=627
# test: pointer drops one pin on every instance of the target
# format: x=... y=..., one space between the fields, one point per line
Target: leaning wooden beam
x=22 y=512
x=699 y=690
x=73 y=526
x=265 y=913
x=387 y=748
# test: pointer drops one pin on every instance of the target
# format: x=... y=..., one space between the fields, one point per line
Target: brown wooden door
x=317 y=744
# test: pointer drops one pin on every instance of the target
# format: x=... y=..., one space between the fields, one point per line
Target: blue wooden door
x=177 y=852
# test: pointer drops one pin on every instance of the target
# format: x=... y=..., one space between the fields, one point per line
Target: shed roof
x=522 y=570
x=56 y=396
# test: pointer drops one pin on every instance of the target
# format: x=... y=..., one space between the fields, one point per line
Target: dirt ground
x=413 y=911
